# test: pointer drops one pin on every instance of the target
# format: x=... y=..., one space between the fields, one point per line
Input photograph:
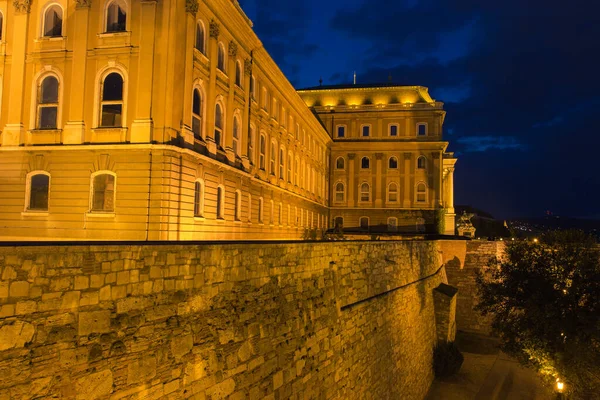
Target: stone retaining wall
x=344 y=320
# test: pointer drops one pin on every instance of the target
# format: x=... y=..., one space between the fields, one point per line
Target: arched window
x=393 y=163
x=422 y=162
x=236 y=135
x=47 y=108
x=38 y=184
x=290 y=163
x=340 y=192
x=272 y=214
x=199 y=198
x=393 y=192
x=262 y=148
x=296 y=171
x=302 y=174
x=364 y=223
x=220 y=202
x=199 y=45
x=340 y=163
x=365 y=163
x=53 y=21
x=260 y=210
x=197 y=114
x=218 y=124
x=238 y=73
x=116 y=16
x=249 y=208
x=221 y=57
x=392 y=223
x=338 y=223
x=280 y=214
x=282 y=163
x=111 y=107
x=103 y=192
x=251 y=140
x=365 y=192
x=273 y=156
x=238 y=205
x=421 y=193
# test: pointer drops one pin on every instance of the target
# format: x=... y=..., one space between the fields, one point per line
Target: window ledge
x=39 y=131
x=33 y=213
x=100 y=214
x=220 y=219
x=198 y=218
x=114 y=34
x=51 y=39
x=237 y=221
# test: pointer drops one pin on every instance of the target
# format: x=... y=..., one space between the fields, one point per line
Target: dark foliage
x=447 y=359
x=544 y=299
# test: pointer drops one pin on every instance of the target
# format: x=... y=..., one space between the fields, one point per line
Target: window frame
x=200 y=117
x=261 y=214
x=362 y=159
x=42 y=34
x=251 y=144
x=390 y=162
x=361 y=192
x=337 y=192
x=221 y=58
x=200 y=27
x=237 y=211
x=397 y=126
x=236 y=141
x=199 y=198
x=362 y=130
x=28 y=192
x=100 y=95
x=424 y=167
x=221 y=130
x=91 y=205
x=337 y=168
x=424 y=193
x=397 y=192
x=262 y=151
x=39 y=105
x=419 y=124
x=337 y=131
x=125 y=5
x=281 y=163
x=220 y=204
x=360 y=223
x=239 y=74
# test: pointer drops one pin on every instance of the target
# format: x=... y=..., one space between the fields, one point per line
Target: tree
x=544 y=299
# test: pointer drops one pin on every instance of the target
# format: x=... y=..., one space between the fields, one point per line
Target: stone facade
x=347 y=320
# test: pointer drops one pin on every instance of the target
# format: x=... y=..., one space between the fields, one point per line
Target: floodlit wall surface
x=344 y=320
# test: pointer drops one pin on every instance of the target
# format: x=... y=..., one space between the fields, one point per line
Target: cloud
x=485 y=143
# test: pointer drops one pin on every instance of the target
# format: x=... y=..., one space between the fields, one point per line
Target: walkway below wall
x=488 y=374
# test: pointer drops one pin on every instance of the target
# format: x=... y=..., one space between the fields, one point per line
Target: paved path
x=488 y=374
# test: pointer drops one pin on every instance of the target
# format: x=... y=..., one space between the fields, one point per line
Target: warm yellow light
x=560 y=386
x=535 y=240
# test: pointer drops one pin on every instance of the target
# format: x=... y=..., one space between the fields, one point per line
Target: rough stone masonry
x=337 y=320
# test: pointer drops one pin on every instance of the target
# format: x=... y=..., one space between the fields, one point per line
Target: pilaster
x=141 y=128
x=228 y=135
x=351 y=179
x=407 y=184
x=246 y=115
x=213 y=45
x=190 y=42
x=377 y=193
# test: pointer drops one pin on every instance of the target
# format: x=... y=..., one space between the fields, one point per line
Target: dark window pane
x=1 y=23
x=197 y=197
x=393 y=163
x=49 y=90
x=48 y=117
x=365 y=130
x=218 y=137
x=340 y=163
x=393 y=130
x=111 y=115
x=113 y=87
x=341 y=131
x=104 y=193
x=53 y=22
x=115 y=19
x=197 y=102
x=38 y=198
x=196 y=127
x=218 y=117
x=364 y=223
x=365 y=162
x=422 y=130
x=200 y=38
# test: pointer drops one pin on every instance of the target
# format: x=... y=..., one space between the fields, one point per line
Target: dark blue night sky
x=519 y=79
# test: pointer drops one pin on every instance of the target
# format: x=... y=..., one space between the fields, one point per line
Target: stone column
x=351 y=182
x=191 y=8
x=246 y=116
x=74 y=129
x=436 y=158
x=377 y=193
x=450 y=214
x=228 y=136
x=141 y=128
x=213 y=46
x=407 y=184
x=14 y=130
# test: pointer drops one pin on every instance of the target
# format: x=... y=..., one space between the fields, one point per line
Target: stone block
x=70 y=300
x=19 y=289
x=118 y=292
x=82 y=282
x=171 y=387
x=7 y=310
x=3 y=290
x=16 y=335
x=131 y=303
x=277 y=380
x=97 y=280
x=181 y=345
x=221 y=390
x=105 y=293
x=141 y=371
x=94 y=386
x=194 y=371
x=89 y=299
x=110 y=278
x=9 y=273
x=94 y=322
x=26 y=307
x=123 y=278
x=61 y=284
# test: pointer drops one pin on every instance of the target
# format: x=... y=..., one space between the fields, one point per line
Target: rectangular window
x=366 y=130
x=393 y=130
x=422 y=129
x=341 y=131
x=253 y=87
x=103 y=193
x=111 y=115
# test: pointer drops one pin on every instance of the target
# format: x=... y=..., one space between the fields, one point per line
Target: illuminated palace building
x=168 y=120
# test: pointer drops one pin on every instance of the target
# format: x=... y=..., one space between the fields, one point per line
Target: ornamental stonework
x=22 y=6
x=248 y=66
x=233 y=49
x=191 y=6
x=215 y=29
x=83 y=3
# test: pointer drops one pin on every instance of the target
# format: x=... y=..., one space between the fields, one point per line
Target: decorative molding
x=407 y=156
x=233 y=49
x=22 y=6
x=214 y=29
x=191 y=6
x=248 y=66
x=378 y=156
x=351 y=156
x=435 y=155
x=83 y=4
